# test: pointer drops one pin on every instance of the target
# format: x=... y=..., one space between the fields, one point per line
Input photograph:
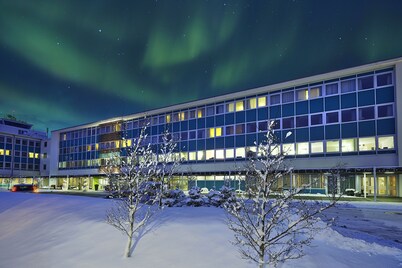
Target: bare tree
x=272 y=226
x=133 y=178
x=335 y=180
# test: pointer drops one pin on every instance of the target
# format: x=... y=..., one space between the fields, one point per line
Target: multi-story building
x=23 y=153
x=348 y=117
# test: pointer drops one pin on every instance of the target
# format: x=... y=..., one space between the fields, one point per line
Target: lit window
x=31 y=155
x=192 y=156
x=332 y=146
x=252 y=103
x=367 y=144
x=288 y=148
x=128 y=143
x=7 y=152
x=218 y=132
x=230 y=107
x=36 y=155
x=211 y=133
x=239 y=106
x=168 y=118
x=200 y=113
x=384 y=79
x=317 y=147
x=262 y=101
x=220 y=154
x=315 y=92
x=200 y=155
x=302 y=94
x=184 y=156
x=97 y=146
x=88 y=148
x=240 y=153
x=210 y=154
x=386 y=143
x=275 y=150
x=349 y=145
x=229 y=153
x=302 y=148
x=1 y=152
x=183 y=116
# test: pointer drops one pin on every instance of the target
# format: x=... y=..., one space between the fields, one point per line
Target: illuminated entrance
x=386 y=185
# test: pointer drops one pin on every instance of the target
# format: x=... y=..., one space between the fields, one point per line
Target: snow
x=50 y=230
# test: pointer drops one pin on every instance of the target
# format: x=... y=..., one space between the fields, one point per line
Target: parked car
x=24 y=188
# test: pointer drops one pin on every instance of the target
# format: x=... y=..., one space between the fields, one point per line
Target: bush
x=194 y=198
x=173 y=198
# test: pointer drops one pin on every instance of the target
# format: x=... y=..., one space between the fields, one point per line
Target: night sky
x=66 y=63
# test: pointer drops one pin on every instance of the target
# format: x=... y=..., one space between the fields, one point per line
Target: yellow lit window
x=117 y=143
x=31 y=155
x=64 y=137
x=88 y=148
x=7 y=152
x=192 y=156
x=168 y=118
x=36 y=155
x=240 y=106
x=211 y=133
x=200 y=155
x=218 y=132
x=199 y=113
x=97 y=146
x=230 y=107
x=182 y=116
x=302 y=94
x=1 y=152
x=262 y=101
x=229 y=153
x=128 y=143
x=252 y=103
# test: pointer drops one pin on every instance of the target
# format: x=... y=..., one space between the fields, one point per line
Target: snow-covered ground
x=49 y=230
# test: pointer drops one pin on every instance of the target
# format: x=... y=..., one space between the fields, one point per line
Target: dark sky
x=71 y=62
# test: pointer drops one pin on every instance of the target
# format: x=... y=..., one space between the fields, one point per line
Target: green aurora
x=66 y=63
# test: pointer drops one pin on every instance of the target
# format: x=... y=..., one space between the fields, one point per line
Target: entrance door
x=382 y=185
x=392 y=185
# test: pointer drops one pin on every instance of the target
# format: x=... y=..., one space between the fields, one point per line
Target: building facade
x=23 y=153
x=347 y=117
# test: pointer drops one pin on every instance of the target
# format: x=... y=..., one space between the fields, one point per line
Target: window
x=201 y=134
x=332 y=117
x=385 y=110
x=252 y=103
x=220 y=154
x=302 y=94
x=262 y=101
x=275 y=99
x=317 y=147
x=349 y=115
x=240 y=153
x=251 y=127
x=316 y=119
x=332 y=146
x=331 y=89
x=366 y=113
x=229 y=130
x=183 y=116
x=288 y=148
x=349 y=145
x=211 y=133
x=348 y=86
x=214 y=132
x=191 y=114
x=229 y=153
x=220 y=109
x=384 y=79
x=200 y=155
x=262 y=126
x=191 y=135
x=302 y=148
x=386 y=143
x=367 y=144
x=302 y=121
x=239 y=106
x=240 y=129
x=210 y=154
x=288 y=122
x=192 y=156
x=315 y=92
x=365 y=82
x=168 y=119
x=200 y=112
x=229 y=107
x=288 y=96
x=210 y=110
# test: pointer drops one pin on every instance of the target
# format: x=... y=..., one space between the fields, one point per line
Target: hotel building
x=348 y=117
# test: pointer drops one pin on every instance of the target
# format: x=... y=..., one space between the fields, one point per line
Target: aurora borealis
x=67 y=63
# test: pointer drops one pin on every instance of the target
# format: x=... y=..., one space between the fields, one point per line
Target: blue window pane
x=275 y=111
x=262 y=113
x=250 y=139
x=209 y=144
x=240 y=117
x=385 y=94
x=332 y=132
x=240 y=141
x=210 y=122
x=251 y=115
x=301 y=107
x=201 y=123
x=386 y=126
x=331 y=103
x=220 y=142
x=367 y=129
x=348 y=100
x=366 y=98
x=290 y=138
x=229 y=142
x=192 y=124
x=349 y=130
x=302 y=134
x=219 y=120
x=316 y=106
x=229 y=118
x=288 y=110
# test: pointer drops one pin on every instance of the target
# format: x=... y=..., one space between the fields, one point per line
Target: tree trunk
x=127 y=253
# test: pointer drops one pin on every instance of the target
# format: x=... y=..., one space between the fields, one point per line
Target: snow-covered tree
x=335 y=180
x=133 y=177
x=272 y=226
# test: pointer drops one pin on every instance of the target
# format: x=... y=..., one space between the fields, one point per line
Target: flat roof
x=244 y=93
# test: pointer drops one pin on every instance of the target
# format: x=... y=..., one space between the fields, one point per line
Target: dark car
x=24 y=188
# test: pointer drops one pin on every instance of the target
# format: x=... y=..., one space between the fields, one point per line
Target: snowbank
x=48 y=230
